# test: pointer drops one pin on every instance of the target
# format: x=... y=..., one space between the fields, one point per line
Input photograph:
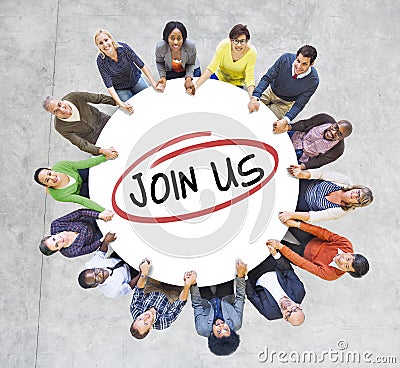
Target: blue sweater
x=279 y=76
x=123 y=74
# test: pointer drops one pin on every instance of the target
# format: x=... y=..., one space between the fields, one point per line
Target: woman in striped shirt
x=325 y=195
x=120 y=67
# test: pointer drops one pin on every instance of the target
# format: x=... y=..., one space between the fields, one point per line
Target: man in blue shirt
x=288 y=84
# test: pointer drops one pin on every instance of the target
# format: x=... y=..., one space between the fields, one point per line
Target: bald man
x=318 y=140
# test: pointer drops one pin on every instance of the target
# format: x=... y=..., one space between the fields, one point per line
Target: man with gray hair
x=80 y=122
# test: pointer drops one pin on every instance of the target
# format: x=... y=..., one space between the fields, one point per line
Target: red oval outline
x=195 y=147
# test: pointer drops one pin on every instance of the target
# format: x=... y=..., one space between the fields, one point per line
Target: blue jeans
x=126 y=94
x=214 y=76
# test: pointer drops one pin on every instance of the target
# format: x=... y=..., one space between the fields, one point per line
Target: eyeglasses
x=243 y=41
x=359 y=196
x=336 y=130
x=295 y=308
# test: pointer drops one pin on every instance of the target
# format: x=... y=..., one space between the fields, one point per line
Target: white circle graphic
x=198 y=183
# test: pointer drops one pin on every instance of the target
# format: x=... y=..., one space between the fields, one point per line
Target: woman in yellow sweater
x=234 y=61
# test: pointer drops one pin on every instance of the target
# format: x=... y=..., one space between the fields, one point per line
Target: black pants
x=84 y=174
x=222 y=290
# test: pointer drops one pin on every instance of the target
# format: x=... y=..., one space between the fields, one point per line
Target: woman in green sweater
x=67 y=181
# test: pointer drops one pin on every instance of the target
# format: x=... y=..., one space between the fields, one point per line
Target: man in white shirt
x=275 y=290
x=111 y=276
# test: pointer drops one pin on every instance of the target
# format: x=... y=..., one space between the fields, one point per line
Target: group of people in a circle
x=272 y=287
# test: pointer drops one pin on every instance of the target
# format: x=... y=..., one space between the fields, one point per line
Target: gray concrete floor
x=47 y=48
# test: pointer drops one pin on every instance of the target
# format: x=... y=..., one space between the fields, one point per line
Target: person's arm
x=147 y=73
x=189 y=280
x=97 y=98
x=88 y=163
x=77 y=215
x=77 y=141
x=305 y=125
x=83 y=201
x=144 y=269
x=200 y=318
x=325 y=158
x=301 y=261
x=204 y=76
x=134 y=281
x=263 y=84
x=300 y=102
x=249 y=72
x=123 y=105
x=328 y=175
x=213 y=66
x=109 y=238
x=313 y=216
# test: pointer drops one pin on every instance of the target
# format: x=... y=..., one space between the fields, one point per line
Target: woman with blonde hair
x=325 y=195
x=121 y=69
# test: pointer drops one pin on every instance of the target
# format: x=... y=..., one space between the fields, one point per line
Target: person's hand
x=106 y=215
x=189 y=278
x=297 y=172
x=160 y=86
x=110 y=153
x=192 y=90
x=274 y=244
x=145 y=266
x=280 y=126
x=126 y=107
x=241 y=268
x=189 y=86
x=285 y=216
x=272 y=250
x=253 y=105
x=292 y=223
x=110 y=237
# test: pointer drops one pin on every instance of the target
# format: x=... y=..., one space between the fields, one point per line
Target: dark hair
x=225 y=345
x=308 y=51
x=170 y=26
x=36 y=175
x=238 y=30
x=360 y=265
x=136 y=334
x=82 y=280
x=43 y=247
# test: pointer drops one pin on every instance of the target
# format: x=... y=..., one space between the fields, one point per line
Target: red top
x=319 y=252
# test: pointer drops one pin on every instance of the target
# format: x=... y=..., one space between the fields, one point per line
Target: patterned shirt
x=312 y=142
x=84 y=223
x=166 y=313
x=316 y=192
x=124 y=73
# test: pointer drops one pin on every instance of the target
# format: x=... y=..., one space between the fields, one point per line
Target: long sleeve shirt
x=340 y=181
x=70 y=193
x=238 y=73
x=84 y=132
x=124 y=73
x=319 y=252
x=279 y=76
x=331 y=155
x=232 y=310
x=166 y=312
x=84 y=223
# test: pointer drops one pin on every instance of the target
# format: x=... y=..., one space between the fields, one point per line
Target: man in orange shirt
x=327 y=255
